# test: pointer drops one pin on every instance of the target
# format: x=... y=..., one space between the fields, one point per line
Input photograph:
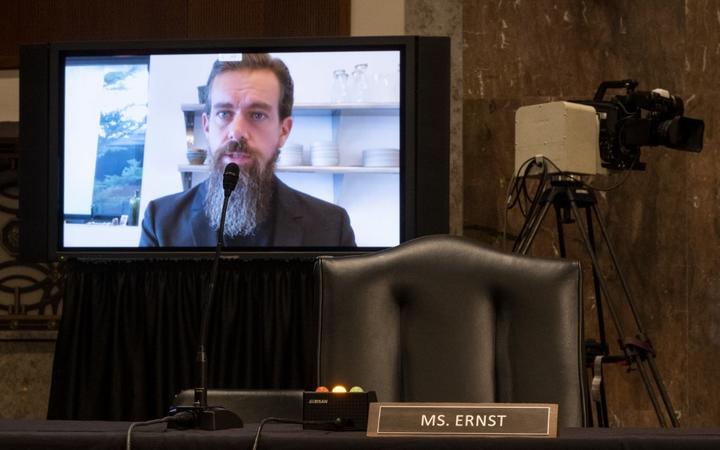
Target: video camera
x=593 y=136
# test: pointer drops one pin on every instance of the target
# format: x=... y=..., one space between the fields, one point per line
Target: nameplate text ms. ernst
x=463 y=419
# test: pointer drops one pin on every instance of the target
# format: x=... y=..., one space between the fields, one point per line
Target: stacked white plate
x=291 y=155
x=381 y=157
x=324 y=154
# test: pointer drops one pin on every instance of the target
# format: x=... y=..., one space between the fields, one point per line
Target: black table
x=38 y=434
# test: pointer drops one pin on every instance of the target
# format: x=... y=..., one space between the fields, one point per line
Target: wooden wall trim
x=88 y=20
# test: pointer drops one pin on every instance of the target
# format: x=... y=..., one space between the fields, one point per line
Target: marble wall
x=444 y=18
x=25 y=368
x=664 y=222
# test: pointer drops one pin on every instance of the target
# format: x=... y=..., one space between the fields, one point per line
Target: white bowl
x=291 y=148
x=324 y=161
x=290 y=160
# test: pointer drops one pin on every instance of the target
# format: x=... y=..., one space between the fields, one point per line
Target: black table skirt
x=29 y=434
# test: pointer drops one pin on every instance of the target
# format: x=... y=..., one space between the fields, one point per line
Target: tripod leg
x=648 y=355
x=637 y=350
x=640 y=364
x=598 y=392
x=594 y=351
x=602 y=346
x=621 y=277
x=596 y=267
x=596 y=285
x=593 y=358
x=630 y=351
x=589 y=400
x=663 y=392
x=522 y=246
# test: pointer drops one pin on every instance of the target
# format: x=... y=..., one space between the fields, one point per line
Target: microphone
x=230 y=179
x=212 y=417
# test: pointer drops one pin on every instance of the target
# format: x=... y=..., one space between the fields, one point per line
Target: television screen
x=322 y=131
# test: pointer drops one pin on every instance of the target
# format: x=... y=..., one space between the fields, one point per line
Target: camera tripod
x=569 y=196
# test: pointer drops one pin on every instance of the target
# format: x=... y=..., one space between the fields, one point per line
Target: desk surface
x=38 y=434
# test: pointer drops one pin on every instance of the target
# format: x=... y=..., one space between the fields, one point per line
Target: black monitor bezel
x=410 y=54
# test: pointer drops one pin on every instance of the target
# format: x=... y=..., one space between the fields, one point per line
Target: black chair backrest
x=445 y=319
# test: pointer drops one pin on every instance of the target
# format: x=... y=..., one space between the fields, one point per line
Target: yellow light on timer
x=339 y=388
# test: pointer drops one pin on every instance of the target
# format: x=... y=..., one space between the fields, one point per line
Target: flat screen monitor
x=341 y=143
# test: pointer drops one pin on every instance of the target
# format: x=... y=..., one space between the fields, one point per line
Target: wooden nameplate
x=463 y=419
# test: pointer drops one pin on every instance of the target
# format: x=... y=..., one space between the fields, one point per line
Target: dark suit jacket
x=178 y=220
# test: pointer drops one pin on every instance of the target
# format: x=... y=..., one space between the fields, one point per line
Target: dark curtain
x=129 y=333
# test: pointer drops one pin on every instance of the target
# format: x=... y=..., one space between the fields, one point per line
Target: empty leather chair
x=446 y=319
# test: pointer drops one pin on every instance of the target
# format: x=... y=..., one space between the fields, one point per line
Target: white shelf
x=196 y=107
x=364 y=105
x=200 y=168
x=337 y=169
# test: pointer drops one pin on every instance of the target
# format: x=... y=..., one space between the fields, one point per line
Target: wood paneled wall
x=664 y=222
x=32 y=21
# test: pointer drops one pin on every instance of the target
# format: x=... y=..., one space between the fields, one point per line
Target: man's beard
x=249 y=203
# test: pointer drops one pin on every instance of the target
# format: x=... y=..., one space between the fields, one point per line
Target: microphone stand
x=212 y=417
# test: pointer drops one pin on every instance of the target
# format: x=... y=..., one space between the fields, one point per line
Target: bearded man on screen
x=247 y=119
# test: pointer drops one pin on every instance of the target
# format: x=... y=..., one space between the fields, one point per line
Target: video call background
x=372 y=200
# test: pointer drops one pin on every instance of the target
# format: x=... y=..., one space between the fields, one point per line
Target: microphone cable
x=517 y=191
x=189 y=417
x=338 y=422
x=184 y=416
